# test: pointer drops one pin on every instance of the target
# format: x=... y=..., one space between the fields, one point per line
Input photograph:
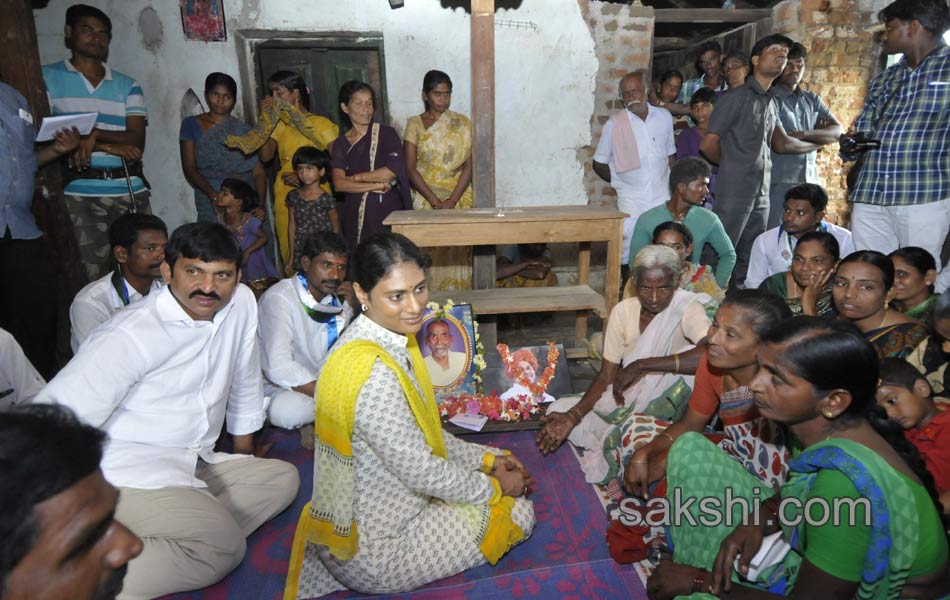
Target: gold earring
x=829 y=415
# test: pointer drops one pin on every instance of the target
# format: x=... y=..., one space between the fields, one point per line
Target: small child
x=309 y=207
x=905 y=395
x=234 y=203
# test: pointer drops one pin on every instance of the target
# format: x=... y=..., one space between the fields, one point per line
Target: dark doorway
x=325 y=64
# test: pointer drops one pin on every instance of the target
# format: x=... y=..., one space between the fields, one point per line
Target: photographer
x=902 y=193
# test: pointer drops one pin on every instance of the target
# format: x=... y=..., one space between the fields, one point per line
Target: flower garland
x=540 y=387
x=479 y=357
x=512 y=409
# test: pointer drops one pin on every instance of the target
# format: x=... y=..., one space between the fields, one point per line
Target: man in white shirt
x=138 y=247
x=804 y=210
x=159 y=378
x=300 y=319
x=19 y=380
x=444 y=365
x=642 y=176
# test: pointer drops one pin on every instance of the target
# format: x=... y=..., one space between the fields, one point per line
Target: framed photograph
x=203 y=20
x=447 y=342
x=495 y=378
x=504 y=393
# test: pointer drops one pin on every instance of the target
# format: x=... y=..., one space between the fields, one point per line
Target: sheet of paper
x=473 y=422
x=50 y=125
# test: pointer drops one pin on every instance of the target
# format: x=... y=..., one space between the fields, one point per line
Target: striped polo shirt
x=116 y=97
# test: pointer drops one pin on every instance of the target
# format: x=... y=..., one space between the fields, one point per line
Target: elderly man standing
x=902 y=194
x=160 y=378
x=806 y=117
x=634 y=154
x=743 y=130
x=107 y=166
x=301 y=318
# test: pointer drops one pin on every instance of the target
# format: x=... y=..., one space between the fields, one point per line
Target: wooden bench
x=534 y=224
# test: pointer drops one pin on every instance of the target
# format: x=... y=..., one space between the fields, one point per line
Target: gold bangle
x=676 y=361
x=574 y=416
x=671 y=438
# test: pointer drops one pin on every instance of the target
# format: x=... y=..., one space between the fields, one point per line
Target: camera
x=852 y=146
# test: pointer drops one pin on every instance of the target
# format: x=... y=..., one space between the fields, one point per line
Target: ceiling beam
x=710 y=15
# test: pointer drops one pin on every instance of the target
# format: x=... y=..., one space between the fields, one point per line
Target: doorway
x=325 y=63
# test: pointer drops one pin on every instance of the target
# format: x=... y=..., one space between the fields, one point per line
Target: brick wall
x=623 y=42
x=842 y=55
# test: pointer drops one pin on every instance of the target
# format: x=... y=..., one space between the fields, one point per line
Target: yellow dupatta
x=327 y=520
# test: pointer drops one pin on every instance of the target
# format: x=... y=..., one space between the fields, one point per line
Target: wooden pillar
x=483 y=144
x=20 y=67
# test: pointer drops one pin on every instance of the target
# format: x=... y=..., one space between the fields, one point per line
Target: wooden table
x=534 y=224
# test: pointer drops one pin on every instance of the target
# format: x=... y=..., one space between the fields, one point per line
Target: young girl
x=234 y=203
x=309 y=207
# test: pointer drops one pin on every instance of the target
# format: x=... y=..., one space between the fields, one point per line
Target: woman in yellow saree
x=438 y=150
x=284 y=125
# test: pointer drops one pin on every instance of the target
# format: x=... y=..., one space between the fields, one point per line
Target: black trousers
x=28 y=296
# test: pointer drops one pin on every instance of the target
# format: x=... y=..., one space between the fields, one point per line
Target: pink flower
x=493 y=415
x=473 y=407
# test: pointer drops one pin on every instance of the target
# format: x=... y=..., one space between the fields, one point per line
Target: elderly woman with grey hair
x=652 y=347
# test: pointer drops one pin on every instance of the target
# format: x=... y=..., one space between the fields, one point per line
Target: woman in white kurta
x=397 y=502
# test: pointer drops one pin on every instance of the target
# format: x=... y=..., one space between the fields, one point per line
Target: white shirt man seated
x=445 y=366
x=300 y=319
x=138 y=247
x=804 y=212
x=19 y=380
x=160 y=378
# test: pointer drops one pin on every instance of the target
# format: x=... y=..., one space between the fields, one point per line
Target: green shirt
x=706 y=229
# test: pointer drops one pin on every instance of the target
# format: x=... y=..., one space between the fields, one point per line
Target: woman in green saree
x=817 y=378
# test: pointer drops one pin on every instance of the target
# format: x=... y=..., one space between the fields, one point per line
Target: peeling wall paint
x=150 y=26
x=544 y=78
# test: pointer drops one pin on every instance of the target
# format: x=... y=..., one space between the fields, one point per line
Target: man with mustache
x=634 y=155
x=138 y=247
x=59 y=537
x=300 y=319
x=444 y=365
x=160 y=378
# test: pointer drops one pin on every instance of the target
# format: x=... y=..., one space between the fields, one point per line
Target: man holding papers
x=27 y=291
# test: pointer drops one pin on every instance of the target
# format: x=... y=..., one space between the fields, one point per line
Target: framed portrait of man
x=447 y=342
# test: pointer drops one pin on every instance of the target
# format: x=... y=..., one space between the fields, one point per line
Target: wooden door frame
x=249 y=40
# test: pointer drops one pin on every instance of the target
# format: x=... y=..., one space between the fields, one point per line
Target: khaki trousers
x=193 y=537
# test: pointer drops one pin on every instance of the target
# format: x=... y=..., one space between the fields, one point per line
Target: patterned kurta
x=420 y=518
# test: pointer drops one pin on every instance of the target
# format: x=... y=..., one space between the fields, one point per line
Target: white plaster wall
x=544 y=79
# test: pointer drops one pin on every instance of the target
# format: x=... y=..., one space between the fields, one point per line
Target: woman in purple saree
x=368 y=166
